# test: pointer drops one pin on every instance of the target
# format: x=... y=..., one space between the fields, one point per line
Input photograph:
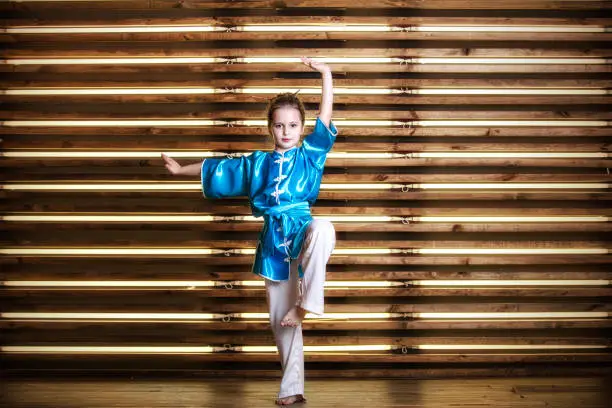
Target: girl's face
x=286 y=128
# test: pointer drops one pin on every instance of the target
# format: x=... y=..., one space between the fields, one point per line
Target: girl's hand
x=316 y=65
x=171 y=164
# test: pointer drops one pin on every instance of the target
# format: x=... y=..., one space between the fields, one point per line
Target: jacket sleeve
x=318 y=143
x=227 y=177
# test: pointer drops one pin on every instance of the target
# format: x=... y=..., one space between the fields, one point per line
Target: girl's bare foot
x=294 y=399
x=294 y=317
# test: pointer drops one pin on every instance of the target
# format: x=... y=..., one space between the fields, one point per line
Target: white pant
x=318 y=245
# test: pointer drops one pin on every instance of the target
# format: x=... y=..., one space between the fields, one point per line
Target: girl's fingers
x=170 y=160
x=316 y=65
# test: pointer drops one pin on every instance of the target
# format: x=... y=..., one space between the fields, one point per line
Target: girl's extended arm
x=176 y=169
x=327 y=94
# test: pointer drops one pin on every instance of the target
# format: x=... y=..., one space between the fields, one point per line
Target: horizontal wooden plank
x=491 y=226
x=245 y=143
x=170 y=300
x=194 y=269
x=186 y=237
x=347 y=112
x=40 y=203
x=183 y=302
x=151 y=335
x=174 y=79
x=603 y=324
x=369 y=195
x=456 y=37
x=161 y=175
x=290 y=4
x=147 y=132
x=403 y=17
x=578 y=102
x=97 y=166
x=428 y=260
x=315 y=48
x=575 y=70
x=187 y=361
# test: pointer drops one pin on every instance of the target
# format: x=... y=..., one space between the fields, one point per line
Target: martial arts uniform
x=293 y=249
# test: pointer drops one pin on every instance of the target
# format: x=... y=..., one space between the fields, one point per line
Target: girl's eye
x=277 y=126
x=294 y=125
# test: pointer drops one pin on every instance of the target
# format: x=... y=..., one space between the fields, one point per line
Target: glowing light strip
x=365 y=28
x=113 y=284
x=112 y=91
x=186 y=284
x=160 y=186
x=317 y=91
x=112 y=61
x=512 y=315
x=206 y=60
x=328 y=60
x=110 y=316
x=114 y=29
x=510 y=28
x=510 y=61
x=528 y=123
x=333 y=316
x=183 y=316
x=175 y=218
x=522 y=282
x=329 y=284
x=318 y=349
x=95 y=154
x=107 y=349
x=326 y=316
x=510 y=251
x=248 y=218
x=113 y=123
x=110 y=251
x=165 y=251
x=302 y=90
x=513 y=219
x=508 y=91
x=273 y=349
x=511 y=155
x=190 y=91
x=295 y=60
x=339 y=122
x=509 y=346
x=199 y=154
x=486 y=186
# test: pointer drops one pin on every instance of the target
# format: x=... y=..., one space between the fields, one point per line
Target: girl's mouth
x=285 y=140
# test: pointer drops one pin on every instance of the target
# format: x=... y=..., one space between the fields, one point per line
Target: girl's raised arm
x=327 y=94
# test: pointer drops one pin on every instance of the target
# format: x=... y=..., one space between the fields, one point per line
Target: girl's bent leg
x=281 y=297
x=319 y=243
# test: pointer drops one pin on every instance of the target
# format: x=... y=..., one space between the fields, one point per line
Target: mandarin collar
x=287 y=153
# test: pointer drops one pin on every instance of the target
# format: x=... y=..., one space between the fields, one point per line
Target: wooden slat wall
x=559 y=303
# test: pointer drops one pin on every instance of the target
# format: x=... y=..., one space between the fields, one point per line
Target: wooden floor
x=138 y=392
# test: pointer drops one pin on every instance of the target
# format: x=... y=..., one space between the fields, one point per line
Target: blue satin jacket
x=281 y=187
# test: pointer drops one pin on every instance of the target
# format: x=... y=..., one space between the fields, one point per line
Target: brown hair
x=282 y=100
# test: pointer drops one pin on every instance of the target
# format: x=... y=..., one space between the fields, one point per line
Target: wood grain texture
x=521 y=392
x=556 y=291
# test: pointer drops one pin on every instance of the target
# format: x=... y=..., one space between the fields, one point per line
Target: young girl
x=293 y=249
